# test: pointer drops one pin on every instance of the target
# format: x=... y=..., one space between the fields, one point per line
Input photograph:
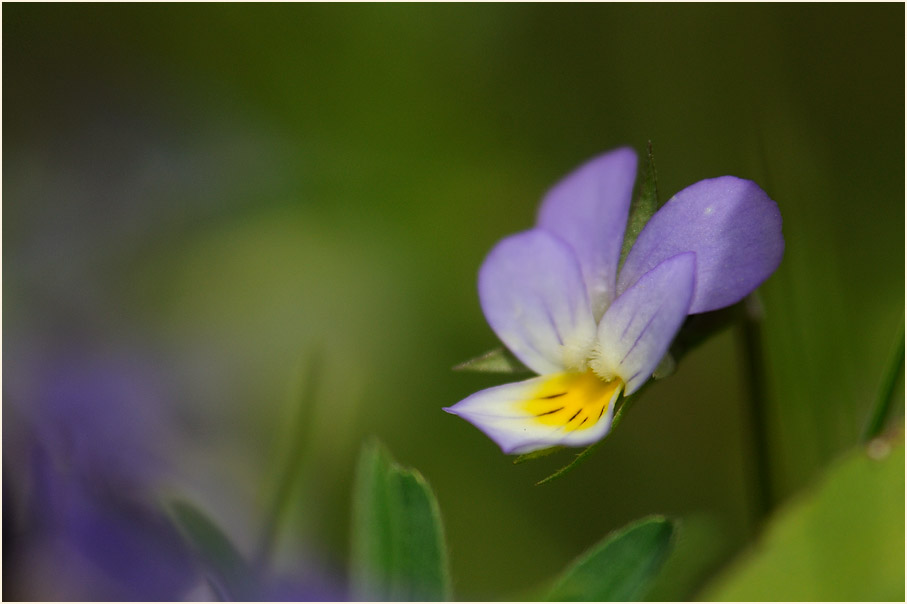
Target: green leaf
x=228 y=572
x=841 y=540
x=643 y=206
x=398 y=551
x=499 y=360
x=621 y=567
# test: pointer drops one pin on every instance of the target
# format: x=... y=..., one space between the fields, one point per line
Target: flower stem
x=754 y=367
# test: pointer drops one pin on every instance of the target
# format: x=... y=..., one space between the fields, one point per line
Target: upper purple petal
x=588 y=209
x=731 y=225
x=638 y=327
x=532 y=294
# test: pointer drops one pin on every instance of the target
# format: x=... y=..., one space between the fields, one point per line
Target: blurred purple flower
x=87 y=452
x=93 y=542
x=102 y=414
x=555 y=298
x=83 y=460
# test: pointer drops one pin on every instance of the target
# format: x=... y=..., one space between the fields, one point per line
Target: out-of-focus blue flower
x=101 y=414
x=93 y=542
x=555 y=298
x=86 y=525
x=81 y=470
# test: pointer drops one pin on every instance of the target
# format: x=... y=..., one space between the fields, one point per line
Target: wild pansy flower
x=555 y=298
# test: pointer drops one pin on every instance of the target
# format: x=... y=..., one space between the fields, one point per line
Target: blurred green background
x=240 y=189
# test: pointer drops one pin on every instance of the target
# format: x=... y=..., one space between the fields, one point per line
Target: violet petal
x=731 y=225
x=588 y=209
x=638 y=328
x=532 y=294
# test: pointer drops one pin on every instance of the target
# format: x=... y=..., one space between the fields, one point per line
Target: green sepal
x=398 y=550
x=643 y=206
x=537 y=454
x=499 y=360
x=228 y=573
x=580 y=457
x=619 y=568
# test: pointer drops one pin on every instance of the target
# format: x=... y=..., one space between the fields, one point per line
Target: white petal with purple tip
x=565 y=409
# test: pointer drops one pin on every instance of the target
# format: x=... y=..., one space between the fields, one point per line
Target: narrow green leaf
x=643 y=206
x=621 y=567
x=499 y=360
x=885 y=396
x=580 y=457
x=536 y=454
x=398 y=551
x=292 y=466
x=841 y=540
x=228 y=572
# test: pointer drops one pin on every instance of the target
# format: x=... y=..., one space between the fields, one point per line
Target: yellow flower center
x=573 y=401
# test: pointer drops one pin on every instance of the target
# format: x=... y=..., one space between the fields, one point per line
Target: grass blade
x=291 y=469
x=885 y=396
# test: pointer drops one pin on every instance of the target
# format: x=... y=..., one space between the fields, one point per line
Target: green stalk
x=291 y=470
x=755 y=377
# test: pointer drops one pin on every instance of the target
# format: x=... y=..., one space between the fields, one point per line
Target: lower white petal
x=561 y=409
